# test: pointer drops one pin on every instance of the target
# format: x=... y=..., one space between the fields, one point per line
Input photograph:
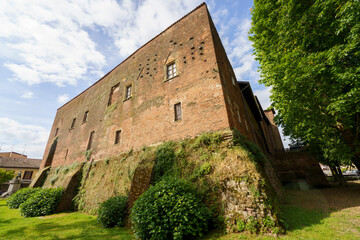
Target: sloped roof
x=6 y=162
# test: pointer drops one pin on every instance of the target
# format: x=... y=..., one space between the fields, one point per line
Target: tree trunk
x=356 y=161
x=341 y=176
x=336 y=172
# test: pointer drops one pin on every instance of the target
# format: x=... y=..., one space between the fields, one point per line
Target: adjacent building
x=23 y=166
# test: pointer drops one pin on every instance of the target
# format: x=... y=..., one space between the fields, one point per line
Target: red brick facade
x=204 y=84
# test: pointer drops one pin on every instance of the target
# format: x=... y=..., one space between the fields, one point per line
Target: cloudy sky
x=50 y=51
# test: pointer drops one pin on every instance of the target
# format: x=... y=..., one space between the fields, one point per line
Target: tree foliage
x=6 y=175
x=309 y=53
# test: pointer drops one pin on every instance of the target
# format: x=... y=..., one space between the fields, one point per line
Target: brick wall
x=148 y=116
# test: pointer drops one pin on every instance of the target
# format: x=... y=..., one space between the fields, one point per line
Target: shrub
x=169 y=210
x=204 y=169
x=41 y=203
x=207 y=139
x=165 y=158
x=20 y=197
x=112 y=212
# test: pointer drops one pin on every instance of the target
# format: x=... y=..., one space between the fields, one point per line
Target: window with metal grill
x=171 y=70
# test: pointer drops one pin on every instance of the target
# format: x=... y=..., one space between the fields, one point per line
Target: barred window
x=171 y=70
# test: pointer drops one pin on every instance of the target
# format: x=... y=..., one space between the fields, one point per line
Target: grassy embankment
x=332 y=213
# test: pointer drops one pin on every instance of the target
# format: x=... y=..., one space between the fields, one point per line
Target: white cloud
x=63 y=98
x=264 y=96
x=146 y=20
x=16 y=136
x=241 y=54
x=27 y=95
x=52 y=41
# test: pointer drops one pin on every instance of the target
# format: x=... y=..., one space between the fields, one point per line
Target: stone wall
x=292 y=166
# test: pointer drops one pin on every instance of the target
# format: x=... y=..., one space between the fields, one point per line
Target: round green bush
x=20 y=197
x=112 y=212
x=169 y=210
x=41 y=203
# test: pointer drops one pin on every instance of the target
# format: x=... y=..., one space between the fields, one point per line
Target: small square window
x=128 y=92
x=73 y=123
x=85 y=116
x=117 y=137
x=177 y=110
x=170 y=70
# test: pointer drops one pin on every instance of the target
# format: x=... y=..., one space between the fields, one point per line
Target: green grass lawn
x=314 y=214
x=58 y=226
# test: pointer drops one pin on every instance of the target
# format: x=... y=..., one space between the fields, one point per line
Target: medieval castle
x=178 y=85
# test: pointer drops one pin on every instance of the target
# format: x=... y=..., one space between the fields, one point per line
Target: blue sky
x=50 y=51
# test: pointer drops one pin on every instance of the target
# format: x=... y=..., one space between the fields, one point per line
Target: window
x=114 y=94
x=67 y=152
x=170 y=70
x=85 y=116
x=117 y=137
x=177 y=110
x=28 y=175
x=90 y=140
x=73 y=123
x=128 y=92
x=56 y=132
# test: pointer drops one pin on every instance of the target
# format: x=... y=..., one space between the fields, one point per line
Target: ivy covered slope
x=309 y=52
x=229 y=173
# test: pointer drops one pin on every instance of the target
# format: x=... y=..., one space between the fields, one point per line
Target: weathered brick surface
x=274 y=132
x=148 y=117
x=294 y=165
x=205 y=85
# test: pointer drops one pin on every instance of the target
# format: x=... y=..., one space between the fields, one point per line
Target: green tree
x=309 y=52
x=5 y=175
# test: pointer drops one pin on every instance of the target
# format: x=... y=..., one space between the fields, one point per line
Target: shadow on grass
x=298 y=218
x=308 y=208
